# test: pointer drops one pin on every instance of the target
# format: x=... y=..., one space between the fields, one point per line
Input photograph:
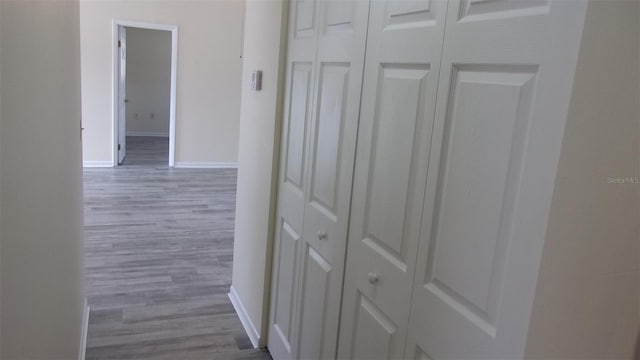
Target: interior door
x=292 y=183
x=122 y=93
x=399 y=95
x=342 y=27
x=322 y=99
x=504 y=89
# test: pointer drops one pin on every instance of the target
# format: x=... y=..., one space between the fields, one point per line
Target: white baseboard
x=249 y=327
x=84 y=331
x=205 y=165
x=148 y=133
x=97 y=163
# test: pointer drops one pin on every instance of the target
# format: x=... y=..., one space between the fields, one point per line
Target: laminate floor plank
x=158 y=258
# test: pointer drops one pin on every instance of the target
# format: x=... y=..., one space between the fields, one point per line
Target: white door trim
x=115 y=78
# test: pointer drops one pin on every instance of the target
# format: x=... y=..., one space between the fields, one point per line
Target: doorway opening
x=145 y=59
x=159 y=241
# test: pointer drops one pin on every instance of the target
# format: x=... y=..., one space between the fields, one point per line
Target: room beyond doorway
x=144 y=85
x=146 y=151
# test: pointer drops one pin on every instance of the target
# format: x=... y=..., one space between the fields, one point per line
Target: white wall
x=586 y=303
x=148 y=81
x=209 y=70
x=264 y=46
x=41 y=190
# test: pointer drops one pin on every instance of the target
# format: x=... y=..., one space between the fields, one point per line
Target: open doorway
x=144 y=84
x=159 y=240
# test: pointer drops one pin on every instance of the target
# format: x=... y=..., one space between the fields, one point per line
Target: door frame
x=116 y=24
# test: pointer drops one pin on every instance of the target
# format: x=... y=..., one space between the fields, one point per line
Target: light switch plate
x=256 y=80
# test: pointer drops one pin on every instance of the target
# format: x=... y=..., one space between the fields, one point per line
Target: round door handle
x=322 y=235
x=373 y=278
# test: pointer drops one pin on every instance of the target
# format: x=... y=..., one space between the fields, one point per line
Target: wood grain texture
x=146 y=150
x=159 y=250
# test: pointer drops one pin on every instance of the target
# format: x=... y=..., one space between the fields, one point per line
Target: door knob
x=373 y=278
x=322 y=235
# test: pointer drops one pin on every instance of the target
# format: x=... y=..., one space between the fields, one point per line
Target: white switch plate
x=256 y=80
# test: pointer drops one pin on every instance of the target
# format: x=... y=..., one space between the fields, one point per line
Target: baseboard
x=97 y=164
x=249 y=327
x=205 y=165
x=148 y=133
x=85 y=331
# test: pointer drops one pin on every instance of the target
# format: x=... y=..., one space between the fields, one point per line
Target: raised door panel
x=409 y=13
x=292 y=183
x=295 y=137
x=396 y=119
x=486 y=130
x=374 y=332
x=284 y=285
x=316 y=275
x=474 y=10
x=505 y=82
x=332 y=138
x=390 y=188
x=304 y=18
x=483 y=142
x=339 y=16
x=421 y=354
x=327 y=140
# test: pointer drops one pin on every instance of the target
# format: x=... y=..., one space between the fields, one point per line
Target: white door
x=122 y=93
x=504 y=89
x=399 y=96
x=332 y=145
x=292 y=183
x=325 y=62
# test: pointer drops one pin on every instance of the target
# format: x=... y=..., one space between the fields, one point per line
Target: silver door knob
x=373 y=278
x=322 y=235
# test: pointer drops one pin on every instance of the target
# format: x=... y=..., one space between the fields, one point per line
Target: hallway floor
x=159 y=248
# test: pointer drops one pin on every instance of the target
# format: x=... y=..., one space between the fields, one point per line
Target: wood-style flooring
x=159 y=248
x=146 y=150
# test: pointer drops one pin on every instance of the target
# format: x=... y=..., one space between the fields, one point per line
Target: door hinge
x=119 y=147
x=119 y=43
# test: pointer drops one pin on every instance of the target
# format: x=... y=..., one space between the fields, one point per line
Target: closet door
x=292 y=184
x=399 y=95
x=505 y=85
x=324 y=80
x=333 y=129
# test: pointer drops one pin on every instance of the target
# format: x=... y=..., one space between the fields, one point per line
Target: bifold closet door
x=292 y=183
x=318 y=150
x=504 y=89
x=399 y=95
